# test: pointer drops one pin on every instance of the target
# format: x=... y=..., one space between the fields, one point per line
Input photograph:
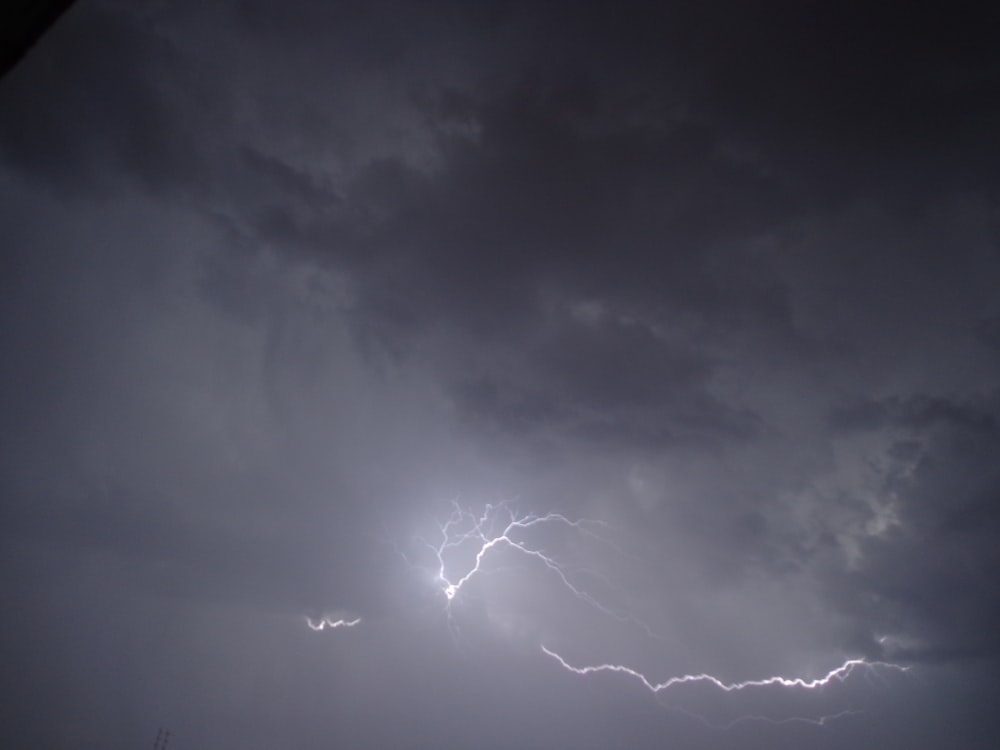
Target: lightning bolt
x=499 y=525
x=463 y=527
x=328 y=622
x=840 y=673
x=473 y=537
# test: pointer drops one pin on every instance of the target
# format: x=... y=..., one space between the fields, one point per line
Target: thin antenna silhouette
x=162 y=738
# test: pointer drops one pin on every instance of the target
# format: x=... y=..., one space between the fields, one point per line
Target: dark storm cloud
x=935 y=570
x=281 y=281
x=531 y=198
x=532 y=216
x=99 y=100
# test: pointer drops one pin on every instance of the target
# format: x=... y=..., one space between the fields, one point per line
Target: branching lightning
x=499 y=525
x=470 y=538
x=463 y=527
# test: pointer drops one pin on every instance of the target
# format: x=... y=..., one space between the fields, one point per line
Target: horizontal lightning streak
x=328 y=622
x=840 y=673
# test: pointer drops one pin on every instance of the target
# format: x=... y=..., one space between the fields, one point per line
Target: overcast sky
x=285 y=286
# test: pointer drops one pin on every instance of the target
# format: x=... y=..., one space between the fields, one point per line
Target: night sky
x=303 y=304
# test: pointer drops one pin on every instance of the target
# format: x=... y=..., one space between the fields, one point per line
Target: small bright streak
x=328 y=622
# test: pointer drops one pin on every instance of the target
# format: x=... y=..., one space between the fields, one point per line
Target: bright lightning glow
x=328 y=622
x=466 y=539
x=463 y=527
x=841 y=673
x=499 y=526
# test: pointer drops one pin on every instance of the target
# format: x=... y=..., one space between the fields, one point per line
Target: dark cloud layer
x=280 y=282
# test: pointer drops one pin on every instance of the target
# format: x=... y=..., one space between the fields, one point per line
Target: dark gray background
x=280 y=281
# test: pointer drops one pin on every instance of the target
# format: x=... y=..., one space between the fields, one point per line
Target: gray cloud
x=280 y=284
